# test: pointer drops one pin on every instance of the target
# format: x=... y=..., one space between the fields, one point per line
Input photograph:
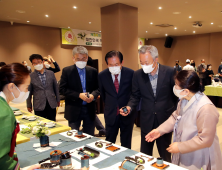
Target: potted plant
x=41 y=132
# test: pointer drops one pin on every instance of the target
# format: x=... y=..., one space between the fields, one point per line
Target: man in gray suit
x=201 y=69
x=44 y=89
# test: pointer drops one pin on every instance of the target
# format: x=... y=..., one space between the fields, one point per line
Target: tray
x=95 y=152
x=112 y=148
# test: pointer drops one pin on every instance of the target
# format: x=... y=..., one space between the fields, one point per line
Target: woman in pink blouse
x=195 y=142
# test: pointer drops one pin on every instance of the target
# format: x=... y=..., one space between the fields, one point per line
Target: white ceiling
x=62 y=14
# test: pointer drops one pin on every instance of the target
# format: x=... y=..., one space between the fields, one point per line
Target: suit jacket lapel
x=147 y=82
x=38 y=80
x=110 y=81
x=161 y=76
x=76 y=77
x=121 y=79
x=87 y=78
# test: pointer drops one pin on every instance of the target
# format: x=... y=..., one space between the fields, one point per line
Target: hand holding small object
x=124 y=111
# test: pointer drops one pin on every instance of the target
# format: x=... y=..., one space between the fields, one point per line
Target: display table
x=22 y=138
x=214 y=94
x=27 y=155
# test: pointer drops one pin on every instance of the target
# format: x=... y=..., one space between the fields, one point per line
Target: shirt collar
x=40 y=73
x=157 y=71
x=3 y=95
x=192 y=100
x=79 y=69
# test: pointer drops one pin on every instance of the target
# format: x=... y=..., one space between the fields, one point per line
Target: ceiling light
x=99 y=31
x=160 y=7
x=211 y=23
x=194 y=31
x=190 y=16
x=28 y=21
x=74 y=7
x=89 y=22
x=176 y=13
x=165 y=34
x=175 y=28
x=68 y=27
x=151 y=23
x=185 y=30
x=20 y=11
x=46 y=16
x=146 y=31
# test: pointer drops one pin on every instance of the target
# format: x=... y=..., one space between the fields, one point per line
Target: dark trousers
x=162 y=142
x=125 y=132
x=88 y=123
x=99 y=125
x=47 y=113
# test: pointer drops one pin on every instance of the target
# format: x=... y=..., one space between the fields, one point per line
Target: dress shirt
x=153 y=80
x=42 y=77
x=119 y=76
x=82 y=75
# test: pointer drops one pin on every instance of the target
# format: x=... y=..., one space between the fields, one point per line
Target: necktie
x=116 y=84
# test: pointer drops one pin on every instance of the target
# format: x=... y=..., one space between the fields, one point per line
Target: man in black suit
x=154 y=85
x=79 y=85
x=115 y=84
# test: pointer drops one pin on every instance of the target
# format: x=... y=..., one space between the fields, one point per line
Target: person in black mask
x=177 y=67
x=192 y=63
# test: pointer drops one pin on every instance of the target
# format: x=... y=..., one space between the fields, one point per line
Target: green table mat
x=24 y=121
x=31 y=135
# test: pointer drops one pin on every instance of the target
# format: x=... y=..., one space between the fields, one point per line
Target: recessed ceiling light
x=194 y=31
x=46 y=16
x=74 y=7
x=151 y=23
x=146 y=31
x=28 y=21
x=160 y=7
x=176 y=13
x=89 y=22
x=165 y=34
x=68 y=27
x=185 y=30
x=99 y=31
x=211 y=23
x=190 y=16
x=175 y=28
x=20 y=11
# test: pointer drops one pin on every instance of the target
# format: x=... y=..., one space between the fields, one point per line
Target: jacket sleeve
x=56 y=69
x=7 y=128
x=207 y=119
x=56 y=88
x=101 y=89
x=64 y=89
x=96 y=92
x=29 y=99
x=135 y=95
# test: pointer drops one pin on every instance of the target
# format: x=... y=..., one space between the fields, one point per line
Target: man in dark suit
x=44 y=89
x=47 y=63
x=79 y=85
x=115 y=84
x=154 y=84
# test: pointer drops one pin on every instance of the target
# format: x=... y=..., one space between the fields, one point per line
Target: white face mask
x=47 y=65
x=38 y=67
x=25 y=64
x=81 y=64
x=22 y=96
x=210 y=67
x=147 y=68
x=177 y=92
x=115 y=70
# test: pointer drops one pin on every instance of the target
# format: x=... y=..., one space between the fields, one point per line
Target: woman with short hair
x=195 y=142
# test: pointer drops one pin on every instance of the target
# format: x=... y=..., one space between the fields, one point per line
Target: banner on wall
x=141 y=42
x=81 y=37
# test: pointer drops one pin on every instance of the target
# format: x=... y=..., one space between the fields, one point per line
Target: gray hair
x=149 y=48
x=79 y=50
